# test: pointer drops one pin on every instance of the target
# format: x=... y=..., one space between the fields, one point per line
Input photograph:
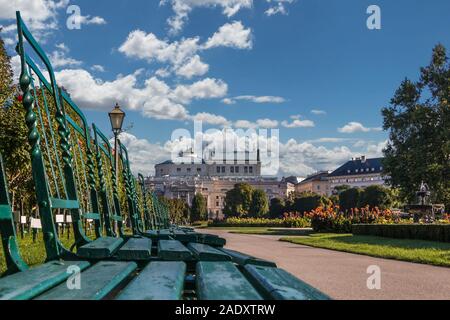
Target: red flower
x=20 y=98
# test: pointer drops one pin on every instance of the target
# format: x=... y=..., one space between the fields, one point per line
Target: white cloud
x=244 y=124
x=155 y=99
x=97 y=67
x=255 y=99
x=233 y=35
x=318 y=112
x=182 y=9
x=277 y=7
x=260 y=123
x=143 y=154
x=211 y=119
x=182 y=56
x=194 y=67
x=353 y=127
x=58 y=58
x=39 y=15
x=297 y=123
x=89 y=20
x=267 y=123
x=204 y=89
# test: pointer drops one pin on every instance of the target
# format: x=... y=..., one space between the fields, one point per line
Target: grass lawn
x=32 y=253
x=420 y=251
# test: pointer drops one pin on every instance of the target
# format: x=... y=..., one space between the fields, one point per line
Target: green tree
x=13 y=134
x=199 y=210
x=260 y=205
x=277 y=208
x=377 y=196
x=418 y=122
x=238 y=200
x=350 y=198
x=308 y=201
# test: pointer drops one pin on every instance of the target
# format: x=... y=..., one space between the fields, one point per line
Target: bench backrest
x=49 y=139
x=14 y=262
x=108 y=192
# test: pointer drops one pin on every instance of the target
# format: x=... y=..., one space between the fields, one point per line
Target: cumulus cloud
x=277 y=7
x=155 y=99
x=182 y=56
x=318 y=112
x=260 y=123
x=59 y=57
x=255 y=99
x=233 y=35
x=193 y=67
x=353 y=127
x=182 y=9
x=298 y=123
x=97 y=67
x=143 y=154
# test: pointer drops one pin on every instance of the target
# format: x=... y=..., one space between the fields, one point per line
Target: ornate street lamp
x=116 y=117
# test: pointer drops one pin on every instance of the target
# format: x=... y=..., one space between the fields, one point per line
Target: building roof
x=359 y=166
x=292 y=179
x=321 y=175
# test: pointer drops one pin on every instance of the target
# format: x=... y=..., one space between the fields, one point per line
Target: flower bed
x=289 y=221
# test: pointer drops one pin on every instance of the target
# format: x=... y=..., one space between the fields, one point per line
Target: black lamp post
x=116 y=117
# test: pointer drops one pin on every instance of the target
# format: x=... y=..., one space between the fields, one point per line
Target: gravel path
x=344 y=275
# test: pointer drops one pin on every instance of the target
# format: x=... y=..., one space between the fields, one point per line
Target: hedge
x=288 y=222
x=432 y=232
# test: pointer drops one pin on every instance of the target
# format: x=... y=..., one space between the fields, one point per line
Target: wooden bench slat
x=223 y=281
x=183 y=236
x=279 y=284
x=90 y=215
x=96 y=282
x=100 y=248
x=28 y=284
x=213 y=240
x=173 y=250
x=242 y=259
x=64 y=204
x=160 y=280
x=204 y=252
x=5 y=212
x=136 y=249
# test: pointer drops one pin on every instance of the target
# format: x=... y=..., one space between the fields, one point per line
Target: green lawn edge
x=417 y=251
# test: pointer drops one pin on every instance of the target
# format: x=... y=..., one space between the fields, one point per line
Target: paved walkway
x=343 y=275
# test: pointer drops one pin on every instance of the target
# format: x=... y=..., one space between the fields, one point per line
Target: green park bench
x=74 y=172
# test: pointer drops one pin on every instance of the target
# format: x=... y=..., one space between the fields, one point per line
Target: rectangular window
x=250 y=169
x=178 y=169
x=188 y=169
x=223 y=169
x=232 y=169
x=245 y=169
x=217 y=204
x=218 y=169
x=199 y=169
x=237 y=169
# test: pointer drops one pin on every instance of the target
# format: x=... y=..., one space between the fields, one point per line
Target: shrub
x=288 y=221
x=431 y=232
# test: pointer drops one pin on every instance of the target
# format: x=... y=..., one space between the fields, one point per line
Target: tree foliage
x=238 y=200
x=199 y=209
x=13 y=133
x=276 y=209
x=260 y=205
x=350 y=198
x=418 y=121
x=376 y=196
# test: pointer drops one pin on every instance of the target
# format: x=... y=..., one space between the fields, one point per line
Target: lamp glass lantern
x=116 y=117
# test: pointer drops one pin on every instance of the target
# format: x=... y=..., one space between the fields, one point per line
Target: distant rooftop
x=359 y=166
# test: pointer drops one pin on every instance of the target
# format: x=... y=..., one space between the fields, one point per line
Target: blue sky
x=311 y=69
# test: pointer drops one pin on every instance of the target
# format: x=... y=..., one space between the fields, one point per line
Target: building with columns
x=213 y=179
